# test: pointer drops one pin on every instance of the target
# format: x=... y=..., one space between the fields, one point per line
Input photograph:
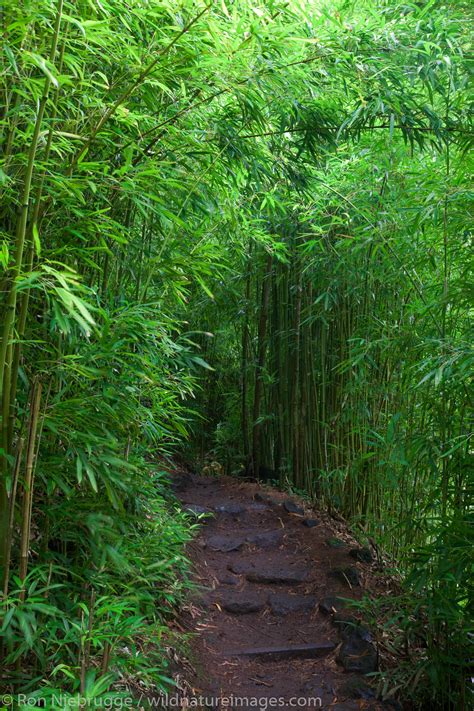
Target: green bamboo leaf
x=36 y=240
x=41 y=63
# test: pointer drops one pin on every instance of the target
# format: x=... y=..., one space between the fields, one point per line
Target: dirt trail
x=271 y=625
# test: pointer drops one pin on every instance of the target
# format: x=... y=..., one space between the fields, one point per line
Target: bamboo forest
x=236 y=354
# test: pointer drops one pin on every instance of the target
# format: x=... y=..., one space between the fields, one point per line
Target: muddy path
x=269 y=619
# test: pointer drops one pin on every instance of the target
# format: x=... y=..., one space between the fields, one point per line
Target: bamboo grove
x=237 y=230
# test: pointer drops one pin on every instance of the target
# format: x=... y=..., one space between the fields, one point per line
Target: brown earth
x=267 y=623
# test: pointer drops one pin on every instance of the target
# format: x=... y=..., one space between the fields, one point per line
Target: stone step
x=224 y=544
x=243 y=603
x=284 y=604
x=231 y=542
x=231 y=508
x=277 y=575
x=266 y=539
x=297 y=651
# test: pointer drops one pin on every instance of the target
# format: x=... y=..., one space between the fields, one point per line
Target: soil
x=268 y=589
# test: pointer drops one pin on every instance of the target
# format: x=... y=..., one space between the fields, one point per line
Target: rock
x=243 y=604
x=229 y=580
x=301 y=651
x=281 y=576
x=349 y=575
x=285 y=604
x=358 y=655
x=335 y=543
x=363 y=555
x=224 y=544
x=230 y=508
x=349 y=626
x=258 y=507
x=276 y=576
x=331 y=605
x=197 y=510
x=265 y=498
x=292 y=507
x=310 y=522
x=240 y=568
x=268 y=539
x=356 y=688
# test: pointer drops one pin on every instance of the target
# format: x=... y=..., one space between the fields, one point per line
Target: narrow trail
x=268 y=620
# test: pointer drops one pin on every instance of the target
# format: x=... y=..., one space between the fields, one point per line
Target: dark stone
x=335 y=543
x=258 y=507
x=356 y=688
x=363 y=555
x=293 y=507
x=243 y=604
x=310 y=522
x=229 y=580
x=331 y=605
x=349 y=626
x=281 y=576
x=231 y=508
x=268 y=539
x=224 y=544
x=239 y=568
x=276 y=576
x=285 y=604
x=265 y=498
x=301 y=651
x=358 y=655
x=349 y=575
x=197 y=510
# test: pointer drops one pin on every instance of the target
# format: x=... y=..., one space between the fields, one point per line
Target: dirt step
x=300 y=651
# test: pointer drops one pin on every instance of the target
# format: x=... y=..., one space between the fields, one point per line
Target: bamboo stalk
x=260 y=364
x=11 y=518
x=28 y=482
x=86 y=645
x=20 y=239
x=244 y=362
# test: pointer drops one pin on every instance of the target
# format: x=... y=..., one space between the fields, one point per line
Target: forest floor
x=269 y=627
